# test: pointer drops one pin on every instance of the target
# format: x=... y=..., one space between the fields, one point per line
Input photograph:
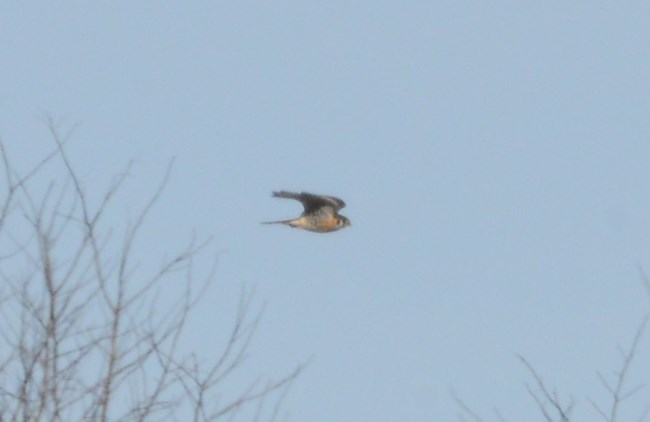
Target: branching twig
x=84 y=333
x=616 y=391
x=562 y=411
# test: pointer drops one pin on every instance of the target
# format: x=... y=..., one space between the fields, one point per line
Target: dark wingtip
x=284 y=194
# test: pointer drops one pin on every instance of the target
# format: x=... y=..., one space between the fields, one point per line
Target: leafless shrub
x=552 y=408
x=84 y=334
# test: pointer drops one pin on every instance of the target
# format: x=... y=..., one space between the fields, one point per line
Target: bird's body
x=320 y=215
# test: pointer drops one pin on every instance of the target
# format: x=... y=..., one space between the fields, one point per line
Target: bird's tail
x=287 y=222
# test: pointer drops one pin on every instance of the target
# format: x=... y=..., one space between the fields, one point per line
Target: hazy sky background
x=494 y=156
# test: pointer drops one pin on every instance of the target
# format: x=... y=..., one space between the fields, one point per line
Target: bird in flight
x=320 y=215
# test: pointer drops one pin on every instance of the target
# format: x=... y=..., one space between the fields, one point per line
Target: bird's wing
x=312 y=202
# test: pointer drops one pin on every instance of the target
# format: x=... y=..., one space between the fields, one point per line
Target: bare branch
x=464 y=407
x=616 y=391
x=562 y=411
x=85 y=334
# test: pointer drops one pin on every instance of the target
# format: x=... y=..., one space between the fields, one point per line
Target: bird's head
x=342 y=222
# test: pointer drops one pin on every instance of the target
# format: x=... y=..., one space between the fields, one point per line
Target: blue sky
x=494 y=158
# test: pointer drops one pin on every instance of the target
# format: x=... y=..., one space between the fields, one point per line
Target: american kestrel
x=320 y=215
